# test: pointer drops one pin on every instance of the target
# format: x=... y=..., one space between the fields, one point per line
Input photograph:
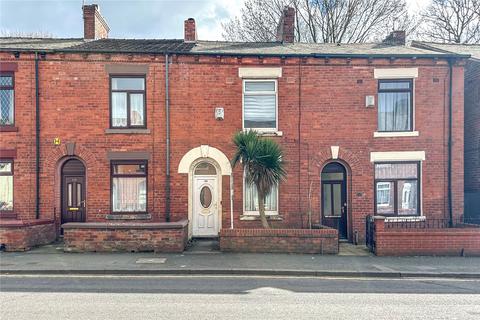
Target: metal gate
x=370 y=233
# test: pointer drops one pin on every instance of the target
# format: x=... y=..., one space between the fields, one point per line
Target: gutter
x=167 y=126
x=37 y=139
x=450 y=125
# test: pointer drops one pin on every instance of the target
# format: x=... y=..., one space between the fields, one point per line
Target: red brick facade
x=321 y=103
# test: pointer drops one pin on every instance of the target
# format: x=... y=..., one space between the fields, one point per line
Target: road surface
x=212 y=297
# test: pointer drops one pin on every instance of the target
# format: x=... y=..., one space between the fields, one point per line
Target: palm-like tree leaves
x=262 y=160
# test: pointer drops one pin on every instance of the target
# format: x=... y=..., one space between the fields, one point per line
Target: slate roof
x=466 y=49
x=216 y=47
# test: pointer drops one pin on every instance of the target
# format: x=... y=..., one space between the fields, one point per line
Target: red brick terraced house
x=126 y=143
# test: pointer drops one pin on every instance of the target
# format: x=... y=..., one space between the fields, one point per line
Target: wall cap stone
x=126 y=225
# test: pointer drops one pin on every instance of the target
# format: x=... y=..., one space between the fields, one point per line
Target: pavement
x=203 y=258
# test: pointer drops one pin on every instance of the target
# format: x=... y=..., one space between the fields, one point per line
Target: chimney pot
x=94 y=25
x=190 y=32
x=396 y=38
x=286 y=26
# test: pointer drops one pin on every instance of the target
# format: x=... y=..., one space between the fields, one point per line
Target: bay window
x=129 y=186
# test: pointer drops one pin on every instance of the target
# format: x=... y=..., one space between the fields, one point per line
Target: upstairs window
x=260 y=105
x=128 y=102
x=6 y=185
x=397 y=188
x=395 y=100
x=6 y=99
x=129 y=186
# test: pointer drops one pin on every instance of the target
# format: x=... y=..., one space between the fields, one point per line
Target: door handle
x=82 y=204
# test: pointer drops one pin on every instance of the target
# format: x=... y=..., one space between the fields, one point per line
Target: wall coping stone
x=126 y=225
x=14 y=223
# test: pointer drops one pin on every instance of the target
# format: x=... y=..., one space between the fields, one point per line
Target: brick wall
x=321 y=104
x=461 y=240
x=323 y=241
x=130 y=237
x=23 y=235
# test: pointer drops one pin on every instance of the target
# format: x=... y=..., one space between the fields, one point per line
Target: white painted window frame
x=273 y=131
x=257 y=213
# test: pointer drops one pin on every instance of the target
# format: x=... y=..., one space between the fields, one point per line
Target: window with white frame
x=6 y=185
x=395 y=105
x=251 y=200
x=260 y=105
x=397 y=188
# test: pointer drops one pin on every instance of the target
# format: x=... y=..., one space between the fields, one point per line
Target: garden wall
x=22 y=235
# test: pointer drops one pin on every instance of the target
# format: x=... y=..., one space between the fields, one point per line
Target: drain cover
x=151 y=260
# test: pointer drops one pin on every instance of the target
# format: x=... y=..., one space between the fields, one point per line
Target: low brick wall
x=461 y=240
x=323 y=241
x=22 y=235
x=125 y=236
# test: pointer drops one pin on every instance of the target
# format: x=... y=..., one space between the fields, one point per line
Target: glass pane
x=69 y=195
x=259 y=86
x=394 y=111
x=407 y=197
x=79 y=194
x=385 y=198
x=337 y=200
x=5 y=167
x=251 y=199
x=136 y=109
x=128 y=83
x=6 y=81
x=327 y=199
x=6 y=107
x=205 y=168
x=129 y=169
x=6 y=193
x=396 y=171
x=205 y=197
x=259 y=111
x=129 y=194
x=119 y=109
x=332 y=176
x=384 y=85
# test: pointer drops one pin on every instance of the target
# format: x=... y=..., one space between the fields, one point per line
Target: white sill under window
x=405 y=219
x=266 y=132
x=256 y=213
x=380 y=134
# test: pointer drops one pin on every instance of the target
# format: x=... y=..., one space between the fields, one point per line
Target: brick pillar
x=94 y=25
x=286 y=26
x=190 y=32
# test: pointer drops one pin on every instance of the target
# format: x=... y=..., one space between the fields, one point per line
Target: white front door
x=205 y=206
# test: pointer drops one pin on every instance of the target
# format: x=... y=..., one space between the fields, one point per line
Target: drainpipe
x=37 y=140
x=450 y=115
x=167 y=125
x=231 y=200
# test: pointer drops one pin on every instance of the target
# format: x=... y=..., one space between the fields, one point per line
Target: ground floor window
x=129 y=186
x=251 y=200
x=397 y=188
x=6 y=185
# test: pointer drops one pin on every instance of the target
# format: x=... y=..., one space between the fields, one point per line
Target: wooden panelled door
x=73 y=192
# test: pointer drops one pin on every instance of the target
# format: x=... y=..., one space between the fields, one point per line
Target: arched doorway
x=334 y=197
x=73 y=191
x=205 y=216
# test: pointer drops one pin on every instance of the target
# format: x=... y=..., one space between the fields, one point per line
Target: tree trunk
x=261 y=210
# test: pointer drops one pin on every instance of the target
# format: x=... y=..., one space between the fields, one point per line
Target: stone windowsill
x=251 y=217
x=405 y=219
x=128 y=216
x=8 y=129
x=378 y=134
x=127 y=131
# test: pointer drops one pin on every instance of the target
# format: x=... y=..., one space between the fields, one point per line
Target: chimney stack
x=94 y=25
x=396 y=38
x=190 y=33
x=286 y=26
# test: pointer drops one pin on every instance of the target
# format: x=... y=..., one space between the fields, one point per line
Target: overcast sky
x=139 y=19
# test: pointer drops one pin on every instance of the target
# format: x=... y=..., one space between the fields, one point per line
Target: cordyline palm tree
x=263 y=164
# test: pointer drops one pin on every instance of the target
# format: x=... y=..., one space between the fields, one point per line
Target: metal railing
x=370 y=233
x=430 y=223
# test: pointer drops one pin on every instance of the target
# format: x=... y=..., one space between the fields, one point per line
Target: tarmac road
x=235 y=297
